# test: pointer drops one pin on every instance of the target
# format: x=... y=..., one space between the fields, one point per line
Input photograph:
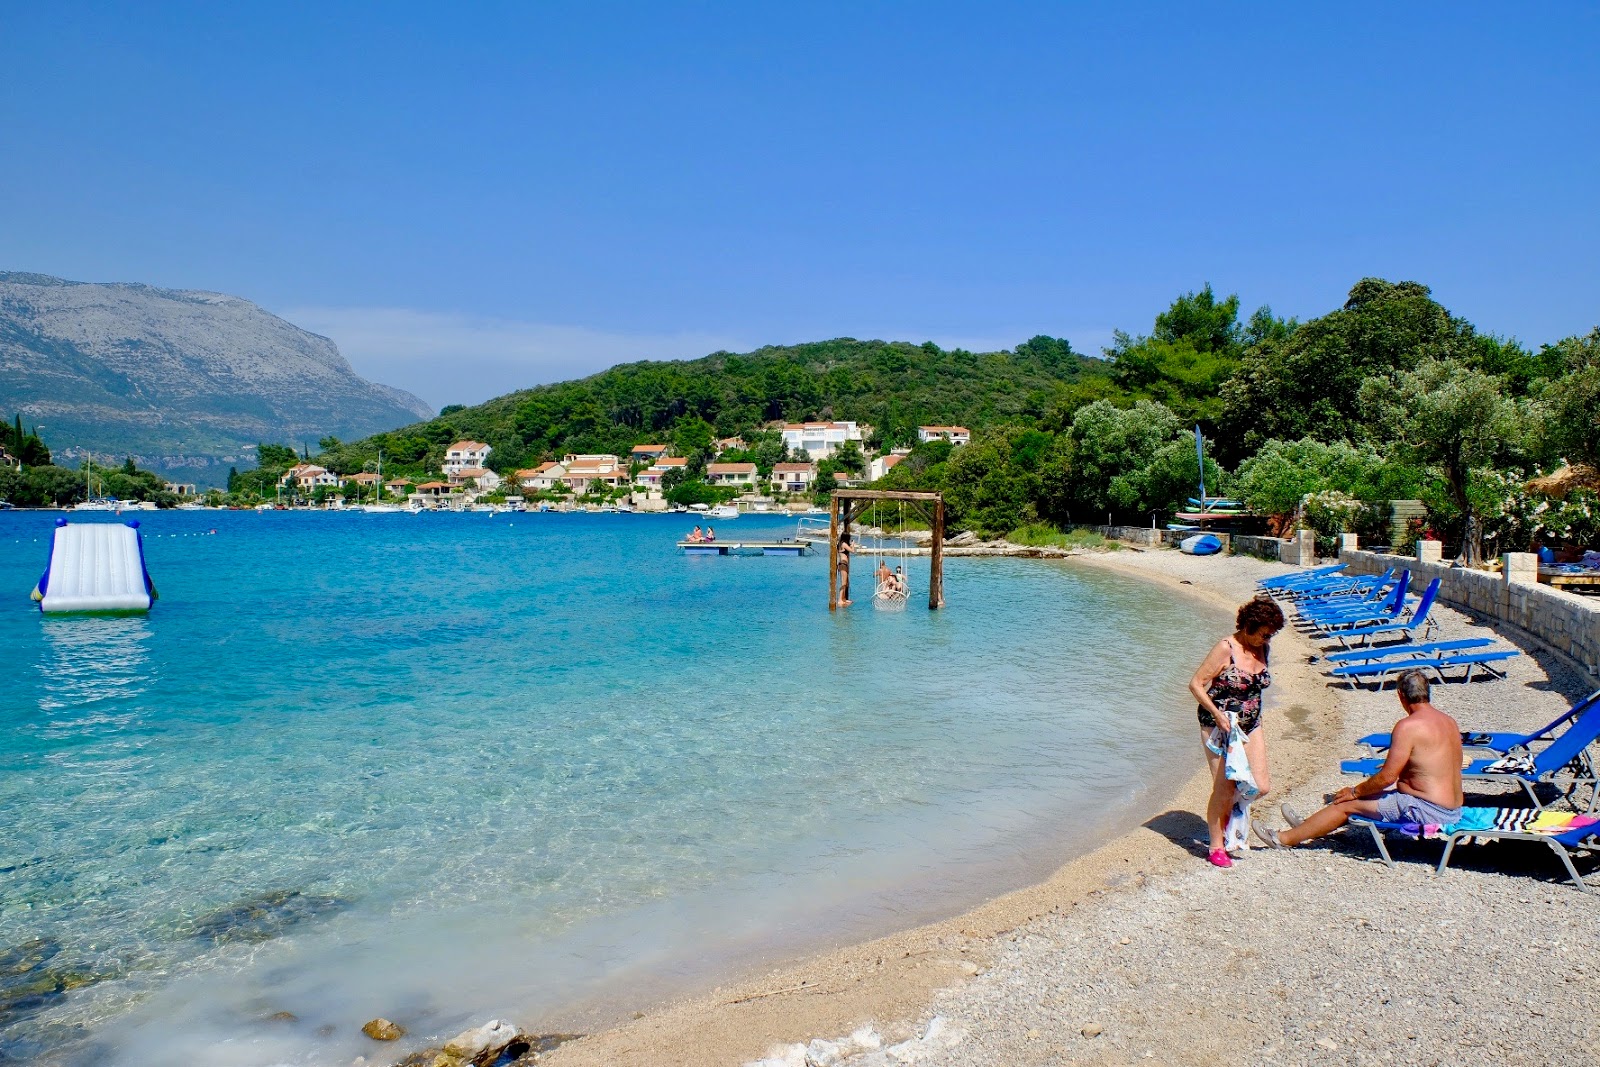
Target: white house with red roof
x=582 y=471
x=792 y=477
x=956 y=435
x=310 y=476
x=731 y=473
x=884 y=464
x=651 y=479
x=466 y=454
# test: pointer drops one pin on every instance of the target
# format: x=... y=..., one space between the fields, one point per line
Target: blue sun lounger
x=1502 y=742
x=1564 y=759
x=1419 y=621
x=1429 y=648
x=1382 y=670
x=1339 y=586
x=1284 y=581
x=1583 y=837
x=1382 y=604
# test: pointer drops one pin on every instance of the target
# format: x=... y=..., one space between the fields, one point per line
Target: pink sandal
x=1220 y=858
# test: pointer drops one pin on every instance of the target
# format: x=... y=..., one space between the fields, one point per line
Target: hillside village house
x=731 y=473
x=793 y=477
x=651 y=479
x=310 y=476
x=583 y=471
x=475 y=477
x=366 y=479
x=883 y=465
x=398 y=487
x=648 y=453
x=181 y=489
x=464 y=454
x=819 y=440
x=8 y=460
x=956 y=435
x=543 y=478
x=433 y=489
x=724 y=444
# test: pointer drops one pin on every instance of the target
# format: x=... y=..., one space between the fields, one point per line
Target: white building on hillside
x=793 y=477
x=651 y=479
x=583 y=471
x=883 y=465
x=956 y=435
x=819 y=440
x=464 y=454
x=310 y=476
x=731 y=473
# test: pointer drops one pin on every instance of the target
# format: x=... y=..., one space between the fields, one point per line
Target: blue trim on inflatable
x=149 y=586
x=44 y=579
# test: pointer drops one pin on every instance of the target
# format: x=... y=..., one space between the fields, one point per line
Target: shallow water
x=445 y=766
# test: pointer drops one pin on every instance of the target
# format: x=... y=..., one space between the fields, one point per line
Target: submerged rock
x=29 y=982
x=383 y=1030
x=263 y=917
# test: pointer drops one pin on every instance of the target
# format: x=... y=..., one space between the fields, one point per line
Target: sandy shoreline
x=889 y=982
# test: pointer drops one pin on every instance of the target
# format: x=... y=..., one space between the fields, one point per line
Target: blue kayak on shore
x=1201 y=545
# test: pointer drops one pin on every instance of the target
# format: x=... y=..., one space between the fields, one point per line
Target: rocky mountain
x=185 y=381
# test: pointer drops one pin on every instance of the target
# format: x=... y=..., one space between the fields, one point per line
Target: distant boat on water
x=724 y=511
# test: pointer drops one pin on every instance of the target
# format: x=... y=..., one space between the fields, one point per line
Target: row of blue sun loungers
x=1352 y=612
x=1355 y=616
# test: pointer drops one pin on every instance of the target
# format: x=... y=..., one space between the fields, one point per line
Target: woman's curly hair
x=1262 y=613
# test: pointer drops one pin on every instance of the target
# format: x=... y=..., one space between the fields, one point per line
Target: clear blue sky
x=472 y=197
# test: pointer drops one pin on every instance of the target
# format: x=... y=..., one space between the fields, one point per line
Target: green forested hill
x=892 y=386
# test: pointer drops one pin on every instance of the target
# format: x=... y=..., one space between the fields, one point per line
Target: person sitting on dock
x=711 y=535
x=696 y=535
x=1419 y=782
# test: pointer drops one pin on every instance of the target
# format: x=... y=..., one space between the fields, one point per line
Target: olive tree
x=1453 y=419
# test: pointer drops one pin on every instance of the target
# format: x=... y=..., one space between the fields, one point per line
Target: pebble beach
x=1142 y=953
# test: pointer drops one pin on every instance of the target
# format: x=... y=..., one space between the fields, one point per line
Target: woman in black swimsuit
x=1228 y=687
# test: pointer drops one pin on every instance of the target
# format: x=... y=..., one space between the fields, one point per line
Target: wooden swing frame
x=847 y=505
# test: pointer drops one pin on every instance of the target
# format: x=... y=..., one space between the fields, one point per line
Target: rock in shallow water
x=383 y=1030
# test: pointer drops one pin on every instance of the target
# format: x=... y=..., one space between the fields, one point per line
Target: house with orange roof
x=310 y=476
x=651 y=479
x=731 y=473
x=648 y=453
x=884 y=464
x=956 y=435
x=474 y=478
x=583 y=471
x=792 y=477
x=464 y=454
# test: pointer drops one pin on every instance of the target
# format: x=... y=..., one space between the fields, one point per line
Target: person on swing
x=844 y=570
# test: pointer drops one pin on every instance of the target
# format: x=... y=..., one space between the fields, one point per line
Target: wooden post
x=936 y=559
x=833 y=553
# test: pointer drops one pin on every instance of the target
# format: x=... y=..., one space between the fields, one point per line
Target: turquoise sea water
x=443 y=767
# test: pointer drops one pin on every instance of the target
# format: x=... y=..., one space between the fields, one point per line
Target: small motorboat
x=724 y=511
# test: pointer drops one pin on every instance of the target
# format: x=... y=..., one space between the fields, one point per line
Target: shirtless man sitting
x=1419 y=782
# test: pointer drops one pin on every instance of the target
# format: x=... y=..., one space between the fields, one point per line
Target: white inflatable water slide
x=95 y=566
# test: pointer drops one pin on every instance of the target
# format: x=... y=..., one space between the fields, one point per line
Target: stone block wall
x=1564 y=621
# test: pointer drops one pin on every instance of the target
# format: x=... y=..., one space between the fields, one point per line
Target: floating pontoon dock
x=785 y=547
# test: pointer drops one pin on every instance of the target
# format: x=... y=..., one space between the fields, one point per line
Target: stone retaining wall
x=1564 y=621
